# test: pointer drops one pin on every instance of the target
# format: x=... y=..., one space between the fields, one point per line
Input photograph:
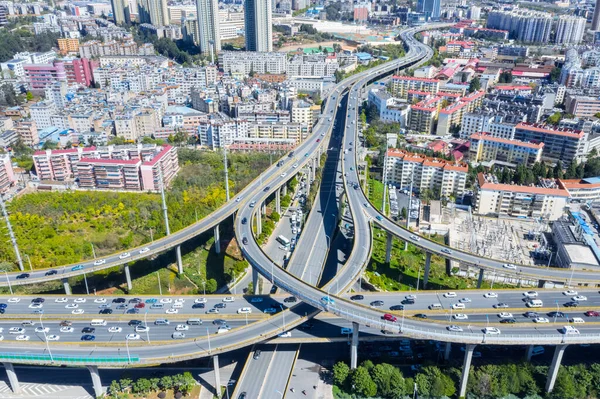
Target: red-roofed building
x=563 y=145
x=485 y=148
x=443 y=178
x=131 y=167
x=451 y=116
x=494 y=199
x=456 y=46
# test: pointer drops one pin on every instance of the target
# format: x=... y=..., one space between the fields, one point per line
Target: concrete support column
x=388 y=248
x=354 y=346
x=255 y=282
x=465 y=371
x=96 y=380
x=278 y=202
x=179 y=262
x=554 y=367
x=217 y=375
x=128 y=278
x=447 y=351
x=263 y=208
x=12 y=377
x=427 y=267
x=258 y=223
x=217 y=239
x=529 y=352
x=284 y=190
x=65 y=282
x=480 y=280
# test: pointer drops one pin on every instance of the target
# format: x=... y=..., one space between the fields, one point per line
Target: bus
x=283 y=241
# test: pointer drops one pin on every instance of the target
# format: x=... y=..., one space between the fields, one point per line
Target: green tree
x=554 y=119
x=275 y=217
x=166 y=382
x=389 y=380
x=555 y=74
x=142 y=385
x=29 y=96
x=432 y=382
x=403 y=213
x=341 y=371
x=363 y=383
x=211 y=285
x=475 y=84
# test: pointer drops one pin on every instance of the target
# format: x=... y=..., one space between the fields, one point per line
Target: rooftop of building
x=427 y=161
x=488 y=137
x=550 y=130
x=489 y=182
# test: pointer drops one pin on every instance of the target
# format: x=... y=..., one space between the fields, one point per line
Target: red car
x=318 y=140
x=592 y=313
x=140 y=305
x=390 y=317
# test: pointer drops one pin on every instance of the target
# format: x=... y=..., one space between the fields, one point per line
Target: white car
x=200 y=300
x=61 y=300
x=78 y=311
x=132 y=337
x=115 y=329
x=166 y=300
x=465 y=300
x=450 y=295
x=460 y=316
x=142 y=328
x=454 y=328
x=244 y=311
x=42 y=329
x=491 y=331
x=414 y=237
x=14 y=300
x=72 y=306
x=530 y=294
x=456 y=306
x=182 y=327
x=125 y=255
x=53 y=337
x=579 y=298
x=22 y=338
x=100 y=300
x=144 y=250
x=1 y=337
x=228 y=299
x=177 y=305
x=541 y=320
x=295 y=165
x=99 y=262
x=490 y=295
x=16 y=330
x=285 y=334
x=66 y=329
x=411 y=297
x=570 y=293
x=222 y=330
x=283 y=174
x=172 y=311
x=505 y=315
x=36 y=305
x=509 y=266
x=80 y=300
x=180 y=300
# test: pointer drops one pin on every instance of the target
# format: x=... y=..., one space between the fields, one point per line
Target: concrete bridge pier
x=179 y=262
x=128 y=278
x=529 y=352
x=354 y=346
x=96 y=381
x=258 y=223
x=447 y=351
x=263 y=208
x=427 y=267
x=255 y=287
x=388 y=248
x=480 y=280
x=554 y=367
x=278 y=202
x=465 y=371
x=12 y=377
x=65 y=282
x=217 y=375
x=284 y=190
x=217 y=239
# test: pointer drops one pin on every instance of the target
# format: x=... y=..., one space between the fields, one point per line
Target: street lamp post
x=93 y=251
x=146 y=325
x=8 y=281
x=204 y=287
x=159 y=287
x=46 y=338
x=208 y=337
x=87 y=290
x=283 y=314
x=29 y=260
x=418 y=278
x=127 y=346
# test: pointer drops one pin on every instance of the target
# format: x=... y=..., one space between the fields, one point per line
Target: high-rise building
x=153 y=12
x=208 y=26
x=259 y=25
x=596 y=18
x=431 y=8
x=120 y=10
x=523 y=25
x=569 y=29
x=475 y=12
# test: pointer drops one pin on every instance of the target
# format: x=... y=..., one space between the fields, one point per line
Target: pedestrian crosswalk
x=46 y=391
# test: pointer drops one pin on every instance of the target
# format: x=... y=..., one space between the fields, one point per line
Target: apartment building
x=68 y=45
x=27 y=131
x=581 y=105
x=278 y=131
x=7 y=175
x=136 y=167
x=400 y=85
x=451 y=116
x=390 y=109
x=475 y=122
x=423 y=115
x=559 y=144
x=495 y=199
x=443 y=178
x=487 y=148
x=312 y=66
x=242 y=62
x=220 y=130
